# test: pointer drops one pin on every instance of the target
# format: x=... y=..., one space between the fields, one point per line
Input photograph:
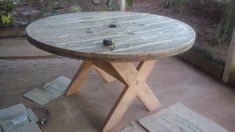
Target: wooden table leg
x=134 y=79
x=108 y=78
x=79 y=78
x=119 y=109
x=144 y=92
x=82 y=74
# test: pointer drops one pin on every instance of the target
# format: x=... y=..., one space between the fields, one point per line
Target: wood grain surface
x=137 y=36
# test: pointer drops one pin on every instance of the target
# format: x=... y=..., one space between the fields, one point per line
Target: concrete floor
x=172 y=80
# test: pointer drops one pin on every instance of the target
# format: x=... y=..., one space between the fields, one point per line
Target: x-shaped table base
x=134 y=79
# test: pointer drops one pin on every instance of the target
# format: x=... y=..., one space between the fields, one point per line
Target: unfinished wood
x=122 y=5
x=133 y=127
x=147 y=97
x=137 y=77
x=135 y=86
x=107 y=67
x=126 y=72
x=144 y=68
x=179 y=118
x=119 y=109
x=229 y=69
x=144 y=93
x=137 y=36
x=108 y=78
x=79 y=78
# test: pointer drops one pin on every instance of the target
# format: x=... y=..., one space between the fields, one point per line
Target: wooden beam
x=122 y=5
x=119 y=109
x=79 y=78
x=229 y=70
x=126 y=72
x=108 y=78
x=135 y=86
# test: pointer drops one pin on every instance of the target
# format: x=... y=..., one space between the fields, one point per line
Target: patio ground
x=172 y=80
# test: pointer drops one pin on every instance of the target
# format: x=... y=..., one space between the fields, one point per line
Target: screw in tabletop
x=109 y=43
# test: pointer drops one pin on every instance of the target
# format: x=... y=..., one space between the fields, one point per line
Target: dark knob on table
x=108 y=42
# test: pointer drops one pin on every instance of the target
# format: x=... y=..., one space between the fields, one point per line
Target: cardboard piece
x=18 y=118
x=179 y=118
x=49 y=92
x=132 y=128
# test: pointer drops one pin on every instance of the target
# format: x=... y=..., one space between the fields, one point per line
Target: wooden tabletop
x=136 y=36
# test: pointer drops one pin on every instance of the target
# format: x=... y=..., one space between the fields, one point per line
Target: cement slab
x=172 y=80
x=13 y=48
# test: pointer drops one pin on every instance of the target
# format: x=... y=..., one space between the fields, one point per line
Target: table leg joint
x=134 y=78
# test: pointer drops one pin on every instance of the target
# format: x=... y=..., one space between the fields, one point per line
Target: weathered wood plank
x=108 y=78
x=137 y=36
x=79 y=78
x=179 y=118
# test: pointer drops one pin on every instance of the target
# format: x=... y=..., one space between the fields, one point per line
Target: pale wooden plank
x=178 y=118
x=144 y=92
x=79 y=78
x=135 y=86
x=133 y=78
x=119 y=109
x=138 y=36
x=108 y=78
x=107 y=67
x=133 y=128
x=71 y=35
x=147 y=97
x=132 y=36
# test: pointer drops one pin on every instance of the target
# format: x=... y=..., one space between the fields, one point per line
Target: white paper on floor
x=49 y=92
x=18 y=118
x=179 y=118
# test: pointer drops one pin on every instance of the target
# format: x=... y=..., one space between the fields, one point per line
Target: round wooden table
x=136 y=36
